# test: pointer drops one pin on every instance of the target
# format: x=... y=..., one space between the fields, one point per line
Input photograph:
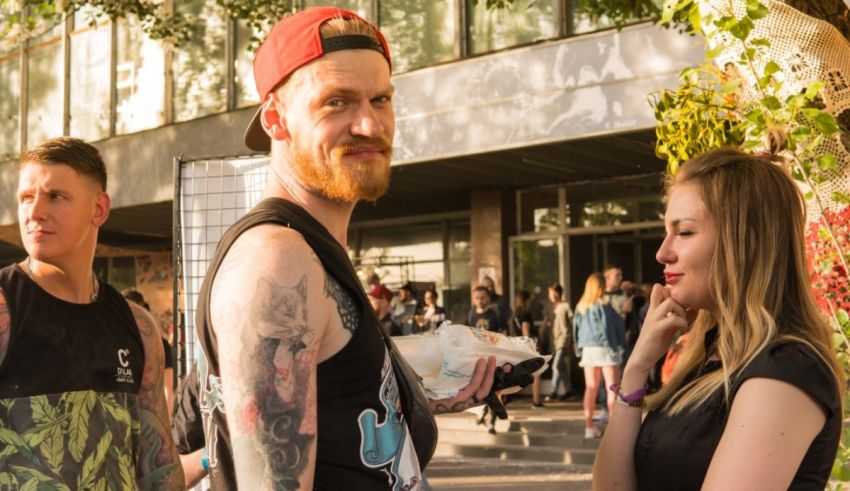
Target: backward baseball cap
x=292 y=43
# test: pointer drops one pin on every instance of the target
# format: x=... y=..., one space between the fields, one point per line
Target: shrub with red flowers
x=829 y=278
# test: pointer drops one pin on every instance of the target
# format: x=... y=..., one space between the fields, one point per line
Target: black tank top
x=363 y=440
x=69 y=386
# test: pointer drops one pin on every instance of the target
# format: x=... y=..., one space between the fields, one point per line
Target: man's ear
x=273 y=119
x=102 y=204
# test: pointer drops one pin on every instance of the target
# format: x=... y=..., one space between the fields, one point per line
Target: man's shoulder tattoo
x=349 y=311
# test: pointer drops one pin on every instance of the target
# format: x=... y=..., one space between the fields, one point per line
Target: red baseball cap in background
x=380 y=291
x=292 y=43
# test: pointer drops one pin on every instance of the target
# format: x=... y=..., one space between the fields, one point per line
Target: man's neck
x=334 y=215
x=73 y=283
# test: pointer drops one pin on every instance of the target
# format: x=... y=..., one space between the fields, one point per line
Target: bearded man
x=297 y=388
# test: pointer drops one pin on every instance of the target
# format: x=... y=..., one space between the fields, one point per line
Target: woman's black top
x=674 y=452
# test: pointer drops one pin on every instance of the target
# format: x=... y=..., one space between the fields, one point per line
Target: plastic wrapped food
x=446 y=359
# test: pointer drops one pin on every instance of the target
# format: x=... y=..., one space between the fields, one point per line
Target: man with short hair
x=405 y=308
x=614 y=295
x=81 y=387
x=482 y=315
x=500 y=305
x=562 y=335
x=297 y=387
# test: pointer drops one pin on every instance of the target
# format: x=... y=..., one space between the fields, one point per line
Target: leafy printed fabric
x=73 y=440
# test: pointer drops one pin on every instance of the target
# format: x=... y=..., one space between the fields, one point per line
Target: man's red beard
x=345 y=181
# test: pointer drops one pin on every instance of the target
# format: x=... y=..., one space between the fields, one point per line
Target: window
x=362 y=8
x=524 y=21
x=45 y=65
x=582 y=23
x=140 y=79
x=10 y=101
x=419 y=32
x=91 y=58
x=246 y=87
x=200 y=66
x=539 y=210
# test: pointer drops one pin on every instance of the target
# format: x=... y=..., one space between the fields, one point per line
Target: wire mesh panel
x=212 y=195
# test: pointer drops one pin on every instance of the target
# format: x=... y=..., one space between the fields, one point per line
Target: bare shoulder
x=269 y=268
x=149 y=331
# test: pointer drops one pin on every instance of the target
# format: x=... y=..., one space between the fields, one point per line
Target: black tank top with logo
x=69 y=385
x=363 y=440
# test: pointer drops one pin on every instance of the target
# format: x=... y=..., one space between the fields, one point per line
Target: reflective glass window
x=419 y=32
x=363 y=8
x=90 y=64
x=200 y=66
x=140 y=79
x=10 y=102
x=524 y=21
x=583 y=22
x=539 y=210
x=44 y=91
x=246 y=88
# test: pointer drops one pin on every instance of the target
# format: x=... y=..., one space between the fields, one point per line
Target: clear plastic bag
x=446 y=359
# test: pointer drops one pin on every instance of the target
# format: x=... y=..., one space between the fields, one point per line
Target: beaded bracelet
x=633 y=399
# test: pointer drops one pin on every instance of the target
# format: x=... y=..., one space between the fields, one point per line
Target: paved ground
x=533 y=450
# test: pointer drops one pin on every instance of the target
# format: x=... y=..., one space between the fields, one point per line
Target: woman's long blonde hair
x=594 y=288
x=758 y=278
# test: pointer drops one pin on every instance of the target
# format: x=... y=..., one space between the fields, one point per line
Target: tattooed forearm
x=444 y=406
x=279 y=362
x=158 y=463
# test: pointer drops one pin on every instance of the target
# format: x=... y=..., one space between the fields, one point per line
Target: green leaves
x=825 y=123
x=81 y=404
x=756 y=10
x=93 y=462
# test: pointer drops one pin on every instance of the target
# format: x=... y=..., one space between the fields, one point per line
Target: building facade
x=524 y=144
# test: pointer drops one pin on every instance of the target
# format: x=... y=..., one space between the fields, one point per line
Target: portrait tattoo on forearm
x=279 y=367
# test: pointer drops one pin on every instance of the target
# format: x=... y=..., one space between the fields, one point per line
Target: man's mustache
x=357 y=144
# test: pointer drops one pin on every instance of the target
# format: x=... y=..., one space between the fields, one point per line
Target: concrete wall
x=554 y=91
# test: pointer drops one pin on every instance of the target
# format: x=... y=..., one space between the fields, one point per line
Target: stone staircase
x=538 y=449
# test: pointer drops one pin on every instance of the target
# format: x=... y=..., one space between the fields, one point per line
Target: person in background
x=380 y=297
x=600 y=341
x=614 y=294
x=405 y=308
x=482 y=315
x=432 y=314
x=187 y=429
x=501 y=305
x=562 y=333
x=524 y=326
x=755 y=401
x=137 y=298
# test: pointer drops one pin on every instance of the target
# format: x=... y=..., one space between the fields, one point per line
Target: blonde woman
x=755 y=399
x=600 y=342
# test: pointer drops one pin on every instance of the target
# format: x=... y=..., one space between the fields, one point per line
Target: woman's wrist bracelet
x=633 y=399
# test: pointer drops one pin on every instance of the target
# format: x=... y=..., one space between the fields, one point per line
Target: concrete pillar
x=492 y=220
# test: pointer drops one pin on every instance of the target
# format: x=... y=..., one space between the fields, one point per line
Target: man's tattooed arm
x=5 y=327
x=269 y=317
x=158 y=465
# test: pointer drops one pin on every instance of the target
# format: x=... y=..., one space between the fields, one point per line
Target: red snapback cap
x=292 y=43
